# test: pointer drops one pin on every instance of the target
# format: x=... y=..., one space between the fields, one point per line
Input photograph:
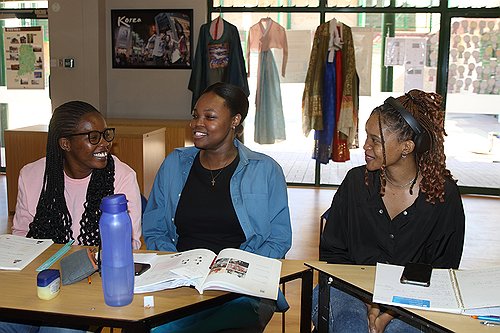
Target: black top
x=360 y=231
x=205 y=216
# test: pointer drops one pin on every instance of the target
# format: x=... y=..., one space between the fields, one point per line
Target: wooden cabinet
x=22 y=146
x=141 y=147
x=177 y=134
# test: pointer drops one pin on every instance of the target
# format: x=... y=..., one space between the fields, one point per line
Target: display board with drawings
x=474 y=54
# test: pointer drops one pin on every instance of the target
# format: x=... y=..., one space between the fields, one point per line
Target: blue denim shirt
x=259 y=195
x=258 y=192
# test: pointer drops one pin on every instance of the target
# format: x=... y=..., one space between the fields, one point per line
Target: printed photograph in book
x=232 y=266
x=152 y=38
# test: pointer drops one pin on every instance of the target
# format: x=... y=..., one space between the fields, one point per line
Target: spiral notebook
x=468 y=292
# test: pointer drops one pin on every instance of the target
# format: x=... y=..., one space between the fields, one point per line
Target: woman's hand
x=377 y=321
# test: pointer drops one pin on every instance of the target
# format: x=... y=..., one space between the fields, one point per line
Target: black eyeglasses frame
x=101 y=135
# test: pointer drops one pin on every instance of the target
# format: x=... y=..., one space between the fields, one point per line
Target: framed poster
x=24 y=58
x=152 y=38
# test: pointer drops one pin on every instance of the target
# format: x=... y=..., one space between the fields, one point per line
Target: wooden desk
x=83 y=304
x=360 y=280
x=142 y=148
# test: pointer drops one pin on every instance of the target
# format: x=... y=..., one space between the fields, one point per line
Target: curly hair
x=427 y=109
x=52 y=218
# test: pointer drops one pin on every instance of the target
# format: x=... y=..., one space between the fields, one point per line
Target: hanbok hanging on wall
x=330 y=100
x=218 y=58
x=269 y=119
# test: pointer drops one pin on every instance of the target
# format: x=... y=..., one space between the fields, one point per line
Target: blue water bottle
x=117 y=262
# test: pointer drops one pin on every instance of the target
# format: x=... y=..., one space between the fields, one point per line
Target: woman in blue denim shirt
x=216 y=195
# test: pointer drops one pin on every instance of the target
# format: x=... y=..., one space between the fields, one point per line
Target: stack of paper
x=16 y=252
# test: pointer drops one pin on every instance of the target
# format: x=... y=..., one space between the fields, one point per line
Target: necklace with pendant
x=401 y=186
x=217 y=174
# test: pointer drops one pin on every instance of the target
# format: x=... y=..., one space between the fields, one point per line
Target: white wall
x=76 y=30
x=81 y=29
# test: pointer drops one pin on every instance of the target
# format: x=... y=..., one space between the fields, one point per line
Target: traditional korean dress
x=269 y=119
x=330 y=98
x=218 y=58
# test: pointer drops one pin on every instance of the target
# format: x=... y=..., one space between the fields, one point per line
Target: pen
x=495 y=319
x=89 y=279
x=490 y=323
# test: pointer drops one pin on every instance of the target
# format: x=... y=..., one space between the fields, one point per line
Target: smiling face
x=374 y=155
x=80 y=156
x=212 y=123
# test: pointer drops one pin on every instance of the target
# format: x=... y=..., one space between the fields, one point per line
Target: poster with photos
x=24 y=58
x=152 y=38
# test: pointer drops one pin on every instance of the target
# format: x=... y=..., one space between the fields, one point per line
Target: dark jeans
x=244 y=315
x=22 y=328
x=349 y=314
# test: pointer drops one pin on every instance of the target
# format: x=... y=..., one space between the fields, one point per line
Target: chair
x=322 y=220
x=144 y=202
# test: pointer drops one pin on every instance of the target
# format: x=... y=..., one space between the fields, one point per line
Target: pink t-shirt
x=75 y=191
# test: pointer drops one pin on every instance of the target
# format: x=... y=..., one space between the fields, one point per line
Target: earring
x=403 y=155
x=233 y=127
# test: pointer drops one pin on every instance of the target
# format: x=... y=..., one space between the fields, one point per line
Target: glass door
x=473 y=99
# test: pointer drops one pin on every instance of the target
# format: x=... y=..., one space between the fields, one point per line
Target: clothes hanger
x=220 y=15
x=216 y=23
x=266 y=19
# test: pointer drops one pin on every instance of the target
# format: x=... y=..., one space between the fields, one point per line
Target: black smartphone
x=417 y=274
x=140 y=268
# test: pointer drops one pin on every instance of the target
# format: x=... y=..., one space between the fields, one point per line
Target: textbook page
x=243 y=272
x=439 y=296
x=169 y=271
x=480 y=288
x=16 y=252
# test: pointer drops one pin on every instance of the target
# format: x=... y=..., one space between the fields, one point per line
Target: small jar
x=48 y=284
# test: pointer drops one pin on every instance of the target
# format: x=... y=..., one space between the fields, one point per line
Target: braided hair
x=427 y=109
x=52 y=218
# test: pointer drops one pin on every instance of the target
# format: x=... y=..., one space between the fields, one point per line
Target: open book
x=232 y=270
x=16 y=252
x=469 y=292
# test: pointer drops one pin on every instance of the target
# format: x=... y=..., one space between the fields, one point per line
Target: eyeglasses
x=95 y=136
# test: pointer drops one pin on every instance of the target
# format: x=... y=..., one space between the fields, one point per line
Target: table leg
x=306 y=301
x=323 y=303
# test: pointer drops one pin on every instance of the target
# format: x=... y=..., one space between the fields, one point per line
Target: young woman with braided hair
x=402 y=206
x=59 y=195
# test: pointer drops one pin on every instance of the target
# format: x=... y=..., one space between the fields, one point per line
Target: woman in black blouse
x=402 y=206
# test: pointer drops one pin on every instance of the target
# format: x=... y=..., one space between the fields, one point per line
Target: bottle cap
x=115 y=203
x=45 y=277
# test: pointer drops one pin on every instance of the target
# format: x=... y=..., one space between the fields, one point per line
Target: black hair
x=234 y=98
x=52 y=219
